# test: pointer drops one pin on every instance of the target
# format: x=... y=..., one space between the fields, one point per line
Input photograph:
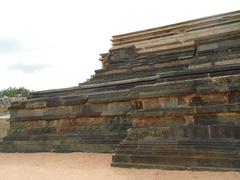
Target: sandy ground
x=89 y=166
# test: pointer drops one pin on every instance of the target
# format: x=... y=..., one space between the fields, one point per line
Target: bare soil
x=89 y=166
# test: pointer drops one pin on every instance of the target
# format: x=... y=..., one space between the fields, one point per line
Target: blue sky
x=56 y=43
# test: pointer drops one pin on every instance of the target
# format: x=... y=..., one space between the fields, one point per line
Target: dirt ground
x=89 y=166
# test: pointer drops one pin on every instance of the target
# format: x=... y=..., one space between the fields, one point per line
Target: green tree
x=14 y=92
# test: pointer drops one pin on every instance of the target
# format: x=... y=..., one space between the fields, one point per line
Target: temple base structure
x=166 y=97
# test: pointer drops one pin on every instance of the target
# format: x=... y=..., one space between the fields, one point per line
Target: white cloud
x=28 y=68
x=9 y=45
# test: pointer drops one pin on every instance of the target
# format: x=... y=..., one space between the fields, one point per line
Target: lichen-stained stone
x=166 y=97
x=4 y=117
x=4 y=127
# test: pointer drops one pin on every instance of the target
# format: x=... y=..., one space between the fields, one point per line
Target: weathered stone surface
x=166 y=97
x=4 y=117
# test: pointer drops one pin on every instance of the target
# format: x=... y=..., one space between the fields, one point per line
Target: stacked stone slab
x=190 y=117
x=166 y=97
x=4 y=117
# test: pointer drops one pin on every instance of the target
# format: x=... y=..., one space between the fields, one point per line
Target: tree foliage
x=14 y=92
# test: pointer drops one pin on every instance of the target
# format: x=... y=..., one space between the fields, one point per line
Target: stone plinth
x=166 y=97
x=4 y=126
x=4 y=117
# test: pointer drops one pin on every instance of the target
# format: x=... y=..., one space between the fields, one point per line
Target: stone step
x=176 y=28
x=111 y=136
x=175 y=161
x=217 y=108
x=194 y=153
x=56 y=146
x=194 y=64
x=183 y=75
x=159 y=148
x=181 y=152
x=179 y=40
x=208 y=70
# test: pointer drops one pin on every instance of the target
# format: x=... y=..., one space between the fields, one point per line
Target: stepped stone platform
x=167 y=97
